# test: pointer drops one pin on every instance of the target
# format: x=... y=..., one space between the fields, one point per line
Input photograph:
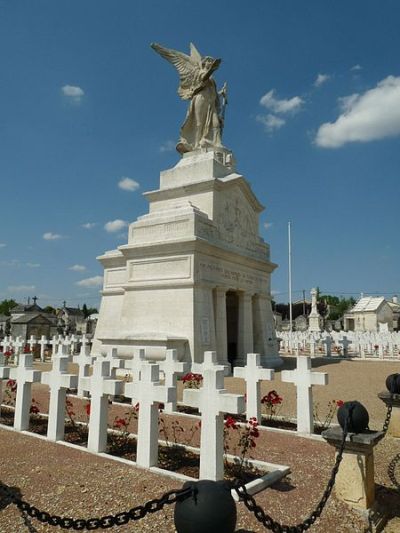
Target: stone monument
x=314 y=318
x=195 y=274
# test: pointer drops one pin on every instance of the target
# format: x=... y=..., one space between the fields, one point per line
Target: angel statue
x=205 y=116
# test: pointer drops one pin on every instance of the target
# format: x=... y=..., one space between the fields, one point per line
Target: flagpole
x=290 y=279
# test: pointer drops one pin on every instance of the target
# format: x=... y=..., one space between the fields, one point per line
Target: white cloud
x=73 y=92
x=77 y=268
x=127 y=184
x=268 y=225
x=271 y=122
x=291 y=105
x=33 y=265
x=96 y=281
x=321 y=79
x=115 y=225
x=2 y=244
x=167 y=146
x=89 y=225
x=49 y=236
x=366 y=117
x=356 y=67
x=21 y=288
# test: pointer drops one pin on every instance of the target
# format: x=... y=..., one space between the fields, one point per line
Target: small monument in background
x=195 y=273
x=314 y=318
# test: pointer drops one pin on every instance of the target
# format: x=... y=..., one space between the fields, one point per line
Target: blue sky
x=313 y=120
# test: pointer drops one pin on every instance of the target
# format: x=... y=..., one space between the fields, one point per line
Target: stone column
x=394 y=424
x=245 y=333
x=355 y=483
x=220 y=326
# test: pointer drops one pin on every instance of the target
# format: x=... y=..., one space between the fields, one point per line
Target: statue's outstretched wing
x=188 y=68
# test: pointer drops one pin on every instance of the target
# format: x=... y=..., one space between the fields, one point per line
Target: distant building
x=30 y=319
x=71 y=320
x=4 y=325
x=394 y=304
x=368 y=314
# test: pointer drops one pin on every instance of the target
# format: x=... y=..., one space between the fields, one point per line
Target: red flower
x=34 y=409
x=87 y=409
x=272 y=398
x=12 y=385
x=339 y=403
x=230 y=423
x=27 y=349
x=120 y=422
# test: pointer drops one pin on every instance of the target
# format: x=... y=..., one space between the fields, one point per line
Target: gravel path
x=70 y=482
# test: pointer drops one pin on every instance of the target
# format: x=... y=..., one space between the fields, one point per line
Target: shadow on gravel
x=7 y=497
x=283 y=485
x=7 y=494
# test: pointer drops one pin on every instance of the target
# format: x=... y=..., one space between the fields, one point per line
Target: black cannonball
x=355 y=414
x=393 y=383
x=211 y=509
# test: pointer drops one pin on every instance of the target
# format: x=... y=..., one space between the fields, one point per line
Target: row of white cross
x=364 y=345
x=18 y=344
x=212 y=399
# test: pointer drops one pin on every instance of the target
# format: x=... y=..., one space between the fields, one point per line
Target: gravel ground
x=70 y=482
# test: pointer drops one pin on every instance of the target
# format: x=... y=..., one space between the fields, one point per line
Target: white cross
x=43 y=343
x=54 y=343
x=18 y=344
x=85 y=341
x=312 y=346
x=4 y=374
x=213 y=401
x=149 y=393
x=328 y=341
x=134 y=365
x=303 y=378
x=253 y=373
x=32 y=342
x=25 y=375
x=74 y=342
x=5 y=343
x=59 y=381
x=346 y=343
x=114 y=360
x=100 y=386
x=84 y=361
x=172 y=368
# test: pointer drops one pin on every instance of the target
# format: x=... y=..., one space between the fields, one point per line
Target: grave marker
x=253 y=373
x=172 y=368
x=59 y=381
x=213 y=401
x=303 y=378
x=149 y=393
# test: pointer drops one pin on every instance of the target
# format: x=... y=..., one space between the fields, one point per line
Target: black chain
x=104 y=522
x=388 y=414
x=276 y=527
x=392 y=471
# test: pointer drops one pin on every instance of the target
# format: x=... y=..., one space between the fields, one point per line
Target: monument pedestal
x=394 y=400
x=355 y=482
x=195 y=274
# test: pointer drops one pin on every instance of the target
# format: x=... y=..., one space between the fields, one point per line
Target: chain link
x=104 y=522
x=388 y=415
x=276 y=527
x=392 y=471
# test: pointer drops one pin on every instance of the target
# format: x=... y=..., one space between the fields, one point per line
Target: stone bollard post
x=394 y=424
x=355 y=484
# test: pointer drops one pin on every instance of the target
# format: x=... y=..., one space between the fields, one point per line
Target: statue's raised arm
x=204 y=121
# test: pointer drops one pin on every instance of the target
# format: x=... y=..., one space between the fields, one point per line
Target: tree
x=6 y=306
x=50 y=310
x=337 y=306
x=87 y=311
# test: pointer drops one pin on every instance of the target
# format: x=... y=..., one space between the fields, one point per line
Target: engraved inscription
x=114 y=277
x=160 y=269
